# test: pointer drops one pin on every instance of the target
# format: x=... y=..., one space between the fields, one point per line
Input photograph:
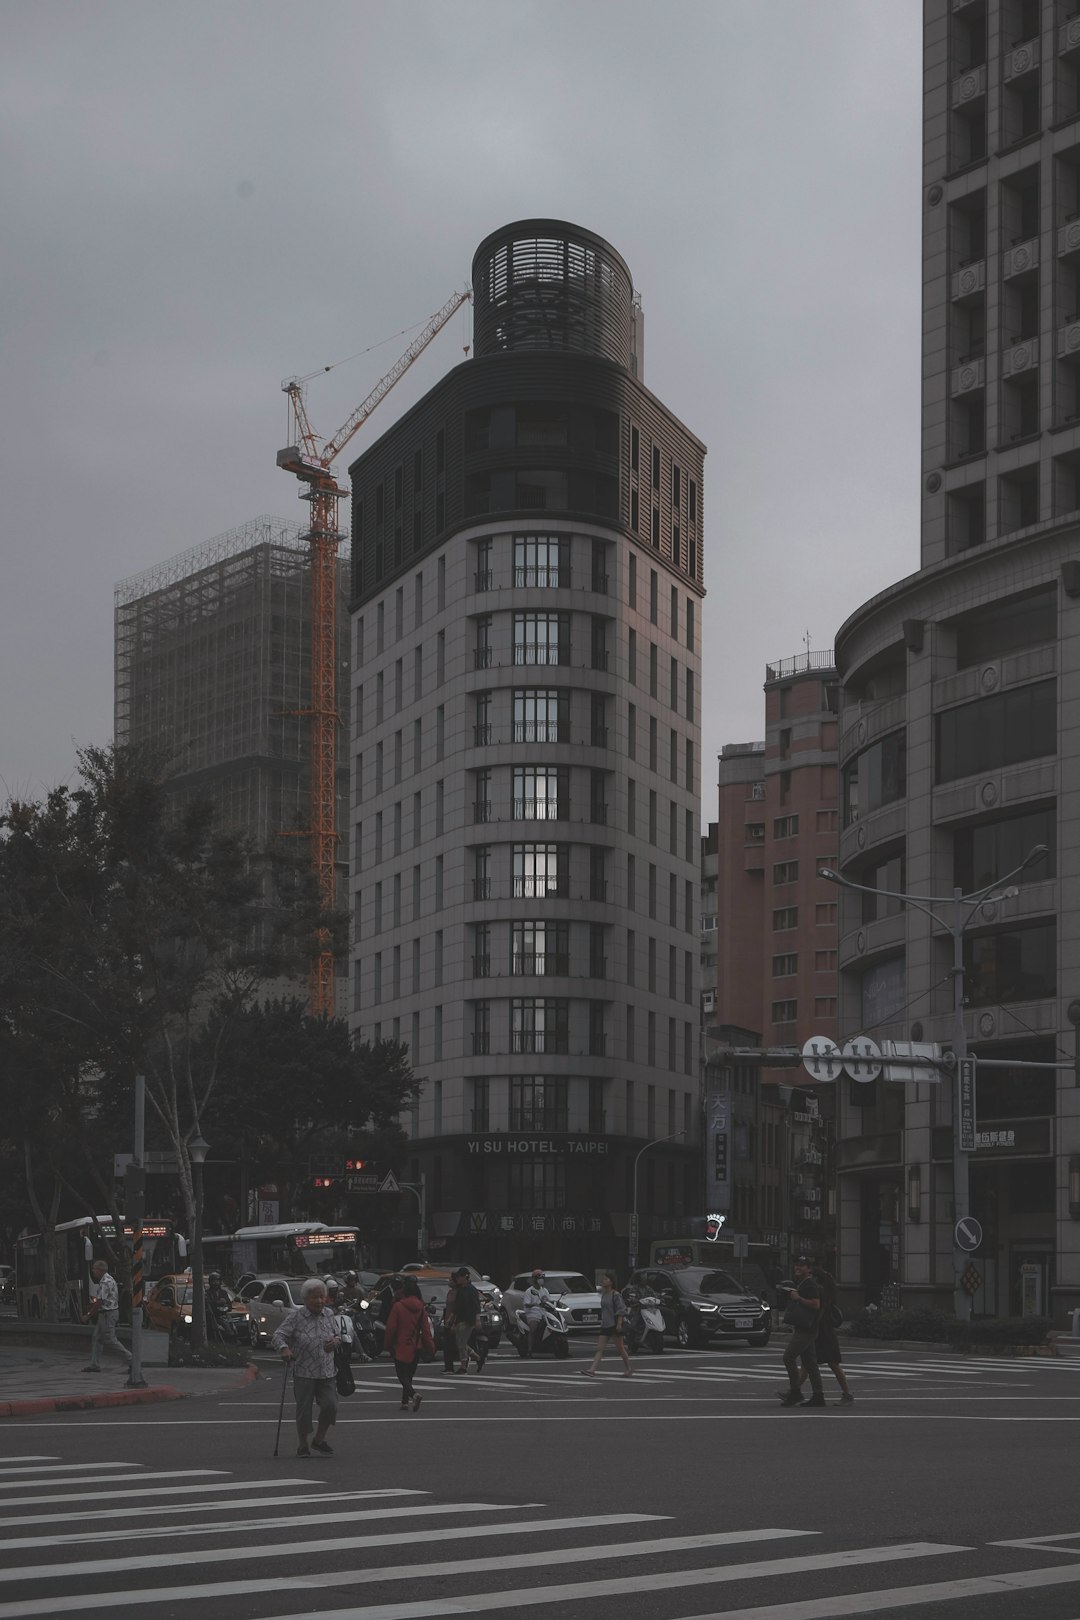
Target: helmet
x=214 y=1277
x=351 y=1277
x=332 y=1285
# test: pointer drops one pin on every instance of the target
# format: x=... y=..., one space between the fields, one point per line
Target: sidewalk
x=35 y=1380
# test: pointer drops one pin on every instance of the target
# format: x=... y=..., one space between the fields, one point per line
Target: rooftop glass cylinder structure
x=542 y=284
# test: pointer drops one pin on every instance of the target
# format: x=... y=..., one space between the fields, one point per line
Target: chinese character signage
x=968 y=1139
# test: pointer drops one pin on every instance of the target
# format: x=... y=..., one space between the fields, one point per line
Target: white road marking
x=162 y=1490
x=387 y=1572
x=106 y=1479
x=895 y=1597
x=458 y=1566
x=29 y=1459
x=223 y=1555
x=472 y=1603
x=58 y=1468
x=172 y=1508
x=1043 y=1543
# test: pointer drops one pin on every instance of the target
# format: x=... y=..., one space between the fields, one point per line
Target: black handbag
x=343 y=1378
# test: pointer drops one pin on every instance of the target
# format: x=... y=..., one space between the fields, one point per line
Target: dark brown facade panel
x=514 y=379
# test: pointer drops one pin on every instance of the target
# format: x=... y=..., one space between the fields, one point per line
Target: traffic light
x=352 y=1165
x=323 y=1182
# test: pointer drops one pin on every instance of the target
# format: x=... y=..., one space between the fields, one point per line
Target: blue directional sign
x=968 y=1234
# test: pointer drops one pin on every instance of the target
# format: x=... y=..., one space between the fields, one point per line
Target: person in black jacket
x=466 y=1311
x=803 y=1316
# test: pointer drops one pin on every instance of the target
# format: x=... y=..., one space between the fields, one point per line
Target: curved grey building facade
x=960 y=749
x=527 y=554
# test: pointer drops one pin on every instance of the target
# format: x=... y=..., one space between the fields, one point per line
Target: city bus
x=78 y=1244
x=296 y=1249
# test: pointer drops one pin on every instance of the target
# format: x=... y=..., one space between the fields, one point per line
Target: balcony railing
x=482 y=657
x=541 y=1041
x=482 y=579
x=481 y=1042
x=544 y=578
x=597 y=1045
x=600 y=584
x=598 y=889
x=600 y=658
x=481 y=810
x=481 y=966
x=597 y=1122
x=541 y=888
x=541 y=653
x=480 y=1118
x=598 y=815
x=540 y=731
x=540 y=962
x=481 y=888
x=598 y=967
x=481 y=736
x=541 y=809
x=599 y=737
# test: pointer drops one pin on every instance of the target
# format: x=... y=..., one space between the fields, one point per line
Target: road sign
x=821 y=1058
x=912 y=1073
x=364 y=1182
x=390 y=1183
x=967 y=1105
x=862 y=1059
x=332 y=1167
x=968 y=1234
x=972 y=1280
x=740 y=1245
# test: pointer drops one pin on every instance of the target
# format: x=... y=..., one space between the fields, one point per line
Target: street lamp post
x=634 y=1217
x=964 y=907
x=197 y=1151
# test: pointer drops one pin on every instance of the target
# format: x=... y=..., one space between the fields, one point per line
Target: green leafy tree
x=291 y=1085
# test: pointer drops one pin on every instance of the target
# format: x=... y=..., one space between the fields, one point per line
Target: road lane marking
x=163 y=1490
x=457 y=1566
x=56 y=1468
x=173 y=1508
x=471 y=1603
x=41 y=1458
x=221 y=1555
x=106 y=1479
x=895 y=1597
x=387 y=1572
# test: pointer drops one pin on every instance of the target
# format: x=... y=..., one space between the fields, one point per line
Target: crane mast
x=312 y=463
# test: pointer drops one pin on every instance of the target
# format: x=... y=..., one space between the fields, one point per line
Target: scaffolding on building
x=213 y=668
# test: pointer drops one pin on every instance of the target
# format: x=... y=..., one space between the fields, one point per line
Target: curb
x=119 y=1397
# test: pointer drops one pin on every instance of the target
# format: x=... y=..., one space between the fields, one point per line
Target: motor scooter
x=551 y=1334
x=370 y=1330
x=644 y=1325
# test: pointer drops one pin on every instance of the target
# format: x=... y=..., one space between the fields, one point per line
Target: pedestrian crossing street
x=876 y=1376
x=205 y=1543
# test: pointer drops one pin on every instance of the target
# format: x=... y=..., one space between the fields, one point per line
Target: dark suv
x=700 y=1304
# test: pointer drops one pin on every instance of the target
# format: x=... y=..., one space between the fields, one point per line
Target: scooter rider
x=351 y=1291
x=533 y=1301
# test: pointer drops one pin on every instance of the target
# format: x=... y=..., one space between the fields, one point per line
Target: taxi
x=168 y=1305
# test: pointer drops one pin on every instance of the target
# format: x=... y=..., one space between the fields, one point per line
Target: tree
x=294 y=1084
x=141 y=931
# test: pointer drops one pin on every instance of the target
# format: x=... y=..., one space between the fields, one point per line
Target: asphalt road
x=948 y=1489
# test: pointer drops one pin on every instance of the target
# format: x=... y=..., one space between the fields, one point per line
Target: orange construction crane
x=311 y=462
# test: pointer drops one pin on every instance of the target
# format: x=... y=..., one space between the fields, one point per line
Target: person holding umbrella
x=307 y=1338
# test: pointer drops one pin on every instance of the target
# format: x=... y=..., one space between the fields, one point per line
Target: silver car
x=579 y=1298
x=269 y=1299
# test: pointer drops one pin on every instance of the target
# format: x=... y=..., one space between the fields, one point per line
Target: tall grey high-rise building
x=527 y=580
x=959 y=730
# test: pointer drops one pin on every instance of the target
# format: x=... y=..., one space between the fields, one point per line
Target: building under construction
x=213 y=664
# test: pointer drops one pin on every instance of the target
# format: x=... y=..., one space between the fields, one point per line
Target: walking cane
x=281 y=1408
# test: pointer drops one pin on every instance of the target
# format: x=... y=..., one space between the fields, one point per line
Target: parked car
x=580 y=1307
x=168 y=1305
x=701 y=1305
x=269 y=1298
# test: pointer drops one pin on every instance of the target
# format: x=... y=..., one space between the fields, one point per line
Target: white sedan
x=579 y=1298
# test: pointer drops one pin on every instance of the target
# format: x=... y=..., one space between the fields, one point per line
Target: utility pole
x=135 y=1211
x=634 y=1216
x=964 y=908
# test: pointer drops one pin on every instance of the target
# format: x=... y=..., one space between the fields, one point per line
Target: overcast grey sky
x=202 y=198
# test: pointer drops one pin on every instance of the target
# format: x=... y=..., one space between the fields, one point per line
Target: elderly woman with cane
x=308 y=1337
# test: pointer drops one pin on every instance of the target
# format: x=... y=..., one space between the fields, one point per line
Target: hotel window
x=541 y=715
x=538 y=1103
x=541 y=561
x=541 y=638
x=540 y=871
x=539 y=948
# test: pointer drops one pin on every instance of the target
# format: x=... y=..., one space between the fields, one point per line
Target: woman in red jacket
x=407 y=1328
